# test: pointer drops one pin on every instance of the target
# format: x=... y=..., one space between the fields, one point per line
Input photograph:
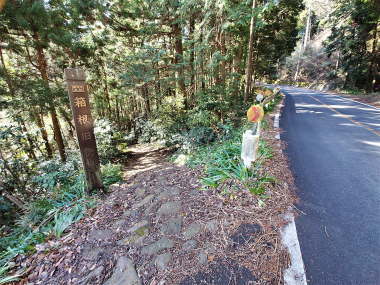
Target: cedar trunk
x=42 y=67
x=249 y=65
x=178 y=59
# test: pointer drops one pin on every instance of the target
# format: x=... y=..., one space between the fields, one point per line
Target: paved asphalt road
x=333 y=145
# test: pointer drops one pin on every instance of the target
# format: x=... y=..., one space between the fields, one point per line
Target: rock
x=140 y=192
x=181 y=160
x=143 y=202
x=172 y=226
x=90 y=252
x=161 y=180
x=130 y=213
x=170 y=192
x=209 y=248
x=150 y=209
x=192 y=230
x=169 y=208
x=245 y=233
x=190 y=244
x=100 y=235
x=92 y=275
x=124 y=273
x=202 y=258
x=162 y=260
x=212 y=226
x=118 y=224
x=114 y=187
x=137 y=226
x=138 y=232
x=153 y=248
x=134 y=240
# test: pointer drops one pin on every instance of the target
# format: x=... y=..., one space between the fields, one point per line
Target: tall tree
x=249 y=64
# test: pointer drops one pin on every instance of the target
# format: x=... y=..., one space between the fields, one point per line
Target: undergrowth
x=63 y=202
x=221 y=162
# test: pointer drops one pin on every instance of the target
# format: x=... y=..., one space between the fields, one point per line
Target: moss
x=142 y=231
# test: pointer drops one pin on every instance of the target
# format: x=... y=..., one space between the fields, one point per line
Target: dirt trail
x=158 y=227
x=144 y=157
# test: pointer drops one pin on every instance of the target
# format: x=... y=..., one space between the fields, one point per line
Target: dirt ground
x=159 y=226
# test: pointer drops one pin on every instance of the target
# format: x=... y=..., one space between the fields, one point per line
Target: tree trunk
x=157 y=87
x=7 y=76
x=57 y=133
x=223 y=62
x=67 y=118
x=145 y=95
x=192 y=56
x=16 y=201
x=118 y=117
x=202 y=58
x=30 y=148
x=372 y=72
x=42 y=67
x=178 y=59
x=249 y=64
x=106 y=89
x=41 y=125
x=308 y=29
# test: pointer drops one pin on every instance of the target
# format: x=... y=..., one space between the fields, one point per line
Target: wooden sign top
x=75 y=74
x=78 y=88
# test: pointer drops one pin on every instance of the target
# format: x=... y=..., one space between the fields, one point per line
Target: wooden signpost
x=80 y=106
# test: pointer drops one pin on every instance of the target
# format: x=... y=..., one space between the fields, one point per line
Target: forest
x=182 y=72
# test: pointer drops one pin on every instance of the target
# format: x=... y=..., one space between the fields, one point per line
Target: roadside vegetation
x=339 y=49
x=222 y=167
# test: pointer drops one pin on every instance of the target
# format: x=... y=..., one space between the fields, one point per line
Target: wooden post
x=80 y=106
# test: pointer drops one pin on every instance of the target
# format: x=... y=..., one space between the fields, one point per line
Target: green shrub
x=221 y=161
x=7 y=279
x=107 y=138
x=64 y=219
x=36 y=212
x=111 y=173
x=201 y=135
x=55 y=173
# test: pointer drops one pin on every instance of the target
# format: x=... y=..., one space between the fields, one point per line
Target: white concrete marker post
x=250 y=144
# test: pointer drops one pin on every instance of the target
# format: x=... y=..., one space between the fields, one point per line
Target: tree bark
x=41 y=125
x=157 y=87
x=223 y=62
x=145 y=95
x=7 y=76
x=42 y=67
x=106 y=89
x=178 y=59
x=67 y=118
x=57 y=133
x=16 y=201
x=249 y=64
x=30 y=148
x=372 y=72
x=202 y=58
x=192 y=56
x=308 y=29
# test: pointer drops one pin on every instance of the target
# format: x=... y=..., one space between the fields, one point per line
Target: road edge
x=295 y=273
